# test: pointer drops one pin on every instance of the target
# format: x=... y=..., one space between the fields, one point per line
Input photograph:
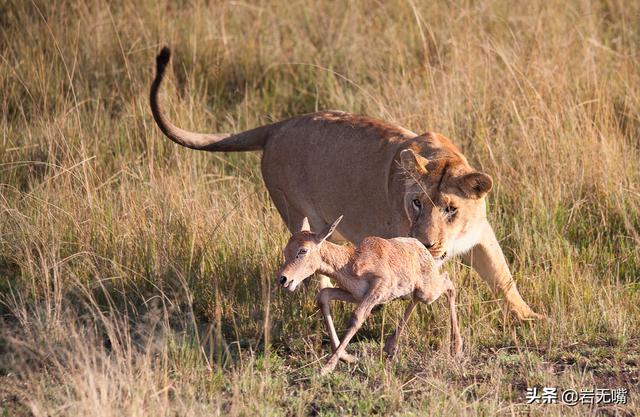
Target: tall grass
x=136 y=276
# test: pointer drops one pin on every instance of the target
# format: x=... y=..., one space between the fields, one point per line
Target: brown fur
x=376 y=272
x=322 y=164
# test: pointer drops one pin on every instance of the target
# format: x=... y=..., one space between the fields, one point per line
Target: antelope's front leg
x=323 y=298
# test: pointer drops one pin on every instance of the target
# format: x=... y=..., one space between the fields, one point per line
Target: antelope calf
x=375 y=272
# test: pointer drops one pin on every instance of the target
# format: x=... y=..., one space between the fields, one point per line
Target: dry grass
x=134 y=273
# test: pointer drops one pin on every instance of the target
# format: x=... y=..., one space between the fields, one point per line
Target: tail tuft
x=163 y=59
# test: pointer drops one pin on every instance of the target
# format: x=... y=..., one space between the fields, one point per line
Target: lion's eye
x=450 y=211
x=302 y=252
x=417 y=203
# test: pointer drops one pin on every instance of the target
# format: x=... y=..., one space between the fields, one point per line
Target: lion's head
x=444 y=197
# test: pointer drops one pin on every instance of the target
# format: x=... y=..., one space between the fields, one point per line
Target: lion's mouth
x=438 y=255
x=441 y=257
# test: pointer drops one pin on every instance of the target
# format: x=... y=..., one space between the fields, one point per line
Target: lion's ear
x=413 y=162
x=475 y=185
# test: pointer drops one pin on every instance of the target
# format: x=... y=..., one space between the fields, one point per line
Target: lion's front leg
x=488 y=260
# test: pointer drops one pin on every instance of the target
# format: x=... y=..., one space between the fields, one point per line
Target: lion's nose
x=283 y=279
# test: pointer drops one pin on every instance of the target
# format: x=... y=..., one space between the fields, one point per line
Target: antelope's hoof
x=390 y=348
x=456 y=352
x=326 y=370
x=348 y=358
x=329 y=366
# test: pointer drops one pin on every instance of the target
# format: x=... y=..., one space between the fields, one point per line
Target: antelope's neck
x=335 y=259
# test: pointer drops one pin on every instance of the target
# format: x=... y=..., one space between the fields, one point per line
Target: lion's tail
x=251 y=140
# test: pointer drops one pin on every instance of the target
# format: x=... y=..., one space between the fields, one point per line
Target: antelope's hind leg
x=359 y=316
x=391 y=345
x=445 y=285
x=456 y=347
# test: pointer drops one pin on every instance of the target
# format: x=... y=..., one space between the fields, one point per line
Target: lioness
x=386 y=180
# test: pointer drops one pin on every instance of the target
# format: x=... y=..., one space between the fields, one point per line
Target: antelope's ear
x=327 y=231
x=413 y=162
x=305 y=225
x=475 y=185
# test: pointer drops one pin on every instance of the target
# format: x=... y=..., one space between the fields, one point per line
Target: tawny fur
x=375 y=272
x=387 y=180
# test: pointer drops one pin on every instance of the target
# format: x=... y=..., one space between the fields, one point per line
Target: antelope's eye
x=417 y=203
x=302 y=252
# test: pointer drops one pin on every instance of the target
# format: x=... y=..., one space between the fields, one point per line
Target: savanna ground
x=137 y=277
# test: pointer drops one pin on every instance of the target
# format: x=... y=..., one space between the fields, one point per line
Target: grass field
x=137 y=277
